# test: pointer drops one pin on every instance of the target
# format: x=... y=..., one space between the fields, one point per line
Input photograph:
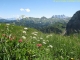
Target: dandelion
x=39 y=45
x=20 y=41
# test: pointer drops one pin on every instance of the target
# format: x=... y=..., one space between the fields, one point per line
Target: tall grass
x=17 y=43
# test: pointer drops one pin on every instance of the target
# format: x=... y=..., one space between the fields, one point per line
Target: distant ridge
x=59 y=16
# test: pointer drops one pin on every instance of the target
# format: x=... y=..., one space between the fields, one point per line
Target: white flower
x=10 y=36
x=25 y=28
x=35 y=33
x=31 y=37
x=33 y=42
x=34 y=37
x=33 y=55
x=44 y=42
x=41 y=38
x=24 y=32
x=61 y=57
x=50 y=46
x=23 y=37
x=38 y=40
x=47 y=50
x=7 y=24
x=48 y=36
x=47 y=40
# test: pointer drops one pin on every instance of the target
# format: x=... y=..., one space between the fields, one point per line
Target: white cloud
x=22 y=9
x=27 y=10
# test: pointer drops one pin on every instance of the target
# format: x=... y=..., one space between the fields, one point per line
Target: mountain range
x=59 y=16
x=54 y=16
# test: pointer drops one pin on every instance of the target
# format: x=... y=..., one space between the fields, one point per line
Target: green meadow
x=23 y=43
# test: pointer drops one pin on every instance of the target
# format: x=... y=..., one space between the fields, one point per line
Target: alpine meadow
x=39 y=30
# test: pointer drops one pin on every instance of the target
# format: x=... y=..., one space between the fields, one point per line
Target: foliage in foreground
x=22 y=43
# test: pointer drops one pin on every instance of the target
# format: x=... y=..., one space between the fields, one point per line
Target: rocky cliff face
x=73 y=26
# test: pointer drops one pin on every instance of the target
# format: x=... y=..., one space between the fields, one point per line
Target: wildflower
x=50 y=46
x=44 y=42
x=61 y=57
x=24 y=32
x=35 y=34
x=47 y=50
x=48 y=36
x=34 y=55
x=72 y=59
x=47 y=40
x=38 y=40
x=11 y=39
x=7 y=24
x=20 y=41
x=10 y=36
x=34 y=37
x=41 y=38
x=39 y=45
x=23 y=37
x=31 y=37
x=25 y=28
x=33 y=42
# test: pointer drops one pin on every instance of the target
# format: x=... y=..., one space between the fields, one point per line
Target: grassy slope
x=54 y=47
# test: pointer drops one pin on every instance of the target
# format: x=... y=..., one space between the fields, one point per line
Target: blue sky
x=38 y=8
